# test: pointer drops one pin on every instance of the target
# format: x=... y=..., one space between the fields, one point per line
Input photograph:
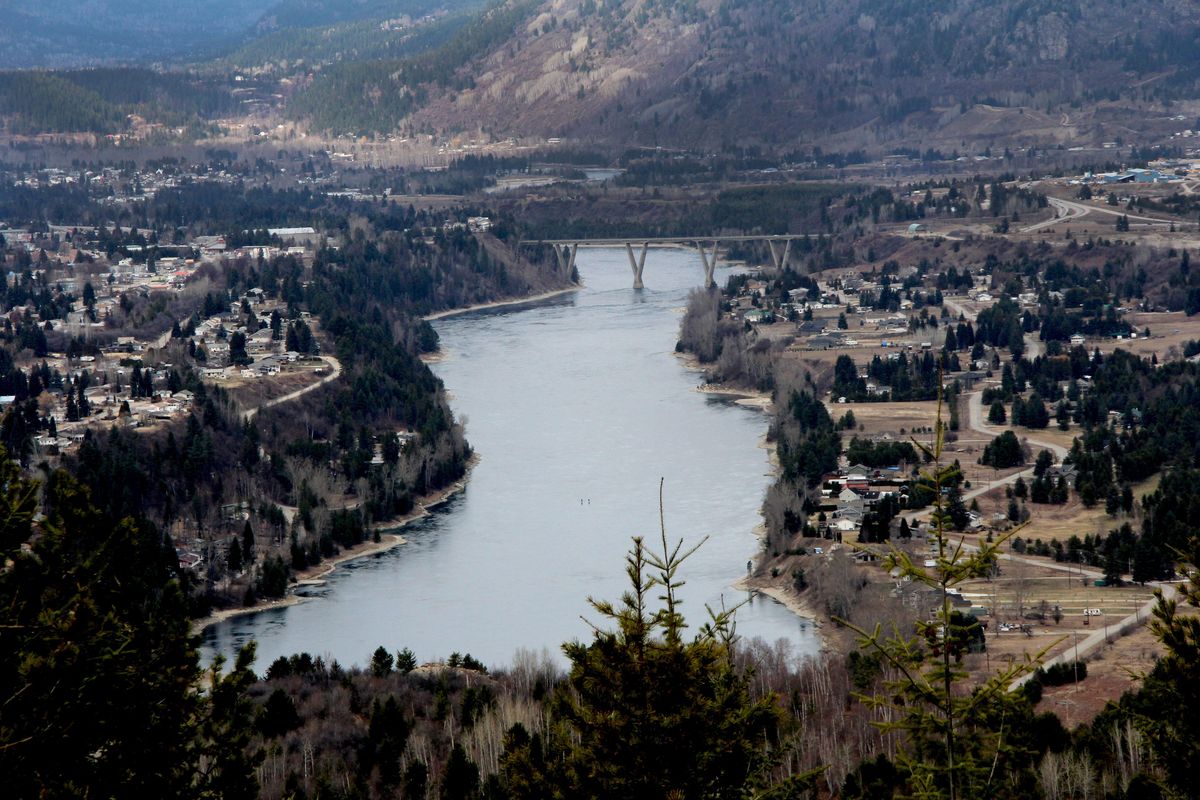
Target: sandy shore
x=745 y=397
x=750 y=398
x=797 y=605
x=516 y=301
x=315 y=576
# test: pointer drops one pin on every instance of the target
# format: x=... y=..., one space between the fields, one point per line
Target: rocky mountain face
x=849 y=73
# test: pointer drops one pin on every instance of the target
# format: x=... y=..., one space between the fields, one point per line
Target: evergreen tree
x=228 y=762
x=1167 y=709
x=98 y=668
x=647 y=713
x=460 y=781
x=234 y=559
x=957 y=743
x=381 y=662
x=248 y=543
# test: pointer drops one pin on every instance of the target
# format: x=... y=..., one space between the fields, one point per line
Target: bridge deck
x=662 y=240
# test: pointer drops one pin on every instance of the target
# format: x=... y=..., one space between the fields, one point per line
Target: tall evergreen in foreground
x=646 y=712
x=98 y=671
x=957 y=742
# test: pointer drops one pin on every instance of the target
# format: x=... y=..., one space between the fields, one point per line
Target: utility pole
x=1076 y=660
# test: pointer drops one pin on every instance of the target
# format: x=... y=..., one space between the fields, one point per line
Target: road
x=335 y=373
x=1065 y=210
x=1083 y=648
x=976 y=421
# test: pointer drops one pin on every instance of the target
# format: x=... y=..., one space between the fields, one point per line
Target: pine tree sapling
x=959 y=743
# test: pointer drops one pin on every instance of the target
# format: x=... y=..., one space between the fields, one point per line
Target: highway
x=1066 y=210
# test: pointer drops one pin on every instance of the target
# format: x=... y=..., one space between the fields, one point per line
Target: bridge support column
x=637 y=264
x=780 y=260
x=565 y=256
x=710 y=263
x=570 y=259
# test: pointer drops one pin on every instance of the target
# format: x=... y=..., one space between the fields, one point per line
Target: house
x=843 y=526
x=1077 y=340
x=824 y=342
x=1067 y=472
x=857 y=473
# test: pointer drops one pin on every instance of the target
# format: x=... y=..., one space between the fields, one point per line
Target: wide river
x=576 y=407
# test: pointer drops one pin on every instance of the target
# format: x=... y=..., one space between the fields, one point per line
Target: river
x=577 y=407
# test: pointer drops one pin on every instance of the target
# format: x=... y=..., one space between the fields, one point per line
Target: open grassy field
x=1169 y=330
x=876 y=418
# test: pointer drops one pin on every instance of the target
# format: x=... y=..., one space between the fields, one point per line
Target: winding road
x=1066 y=210
x=335 y=373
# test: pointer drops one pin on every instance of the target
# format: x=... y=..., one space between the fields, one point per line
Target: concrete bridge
x=565 y=251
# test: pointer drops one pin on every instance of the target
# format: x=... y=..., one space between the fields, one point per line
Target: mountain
x=783 y=73
x=59 y=33
x=47 y=34
x=284 y=47
x=320 y=13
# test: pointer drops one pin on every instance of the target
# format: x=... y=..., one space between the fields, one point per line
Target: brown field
x=1168 y=329
x=874 y=418
x=1059 y=522
x=1113 y=670
x=251 y=392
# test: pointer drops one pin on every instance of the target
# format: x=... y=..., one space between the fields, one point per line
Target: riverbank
x=774 y=588
x=750 y=398
x=316 y=575
x=516 y=301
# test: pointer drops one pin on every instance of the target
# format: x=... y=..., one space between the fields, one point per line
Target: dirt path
x=334 y=365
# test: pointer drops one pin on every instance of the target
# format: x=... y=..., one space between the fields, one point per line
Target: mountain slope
x=65 y=33
x=317 y=13
x=783 y=73
x=57 y=33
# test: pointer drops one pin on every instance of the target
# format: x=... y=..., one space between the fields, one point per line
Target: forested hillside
x=374 y=96
x=59 y=33
x=775 y=72
x=285 y=48
x=311 y=13
x=100 y=100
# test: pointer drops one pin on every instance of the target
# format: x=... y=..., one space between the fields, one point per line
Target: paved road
x=1083 y=648
x=976 y=421
x=336 y=372
x=1065 y=210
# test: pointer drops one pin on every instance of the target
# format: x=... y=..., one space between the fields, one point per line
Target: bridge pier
x=637 y=264
x=780 y=260
x=710 y=263
x=566 y=258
